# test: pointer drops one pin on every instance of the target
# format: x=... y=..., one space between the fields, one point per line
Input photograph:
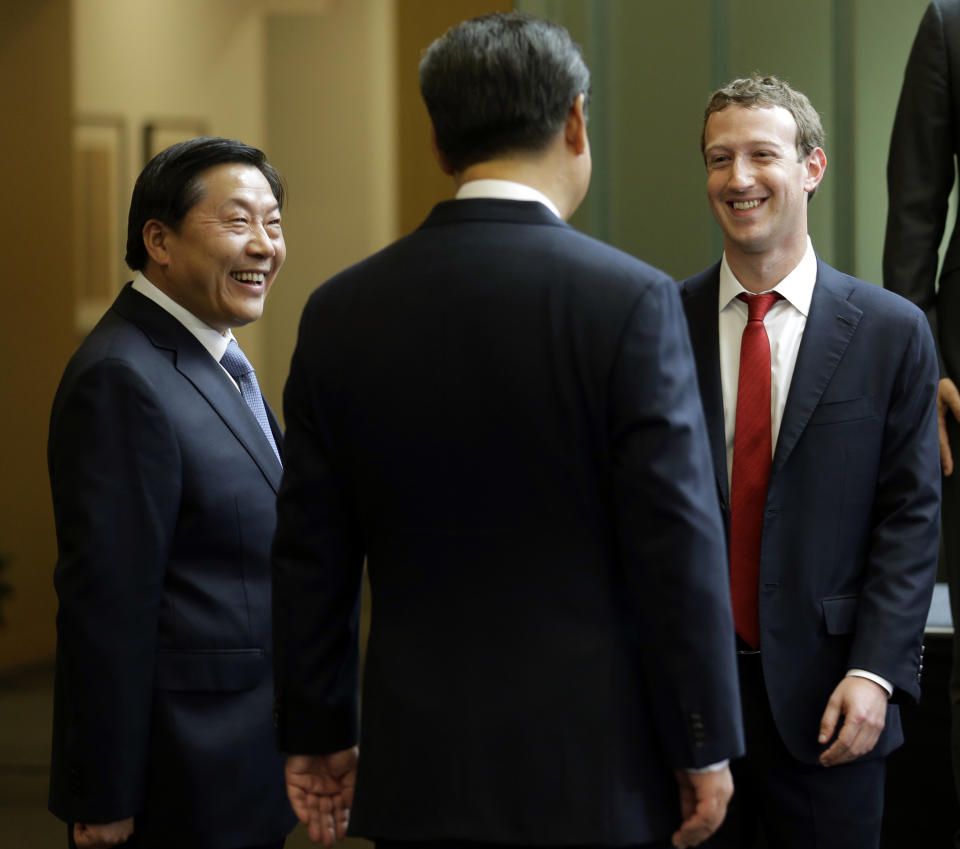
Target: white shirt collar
x=505 y=190
x=213 y=340
x=796 y=287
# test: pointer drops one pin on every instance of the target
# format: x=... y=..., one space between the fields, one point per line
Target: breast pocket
x=836 y=412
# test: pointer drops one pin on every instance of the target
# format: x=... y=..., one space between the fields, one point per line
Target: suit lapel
x=194 y=362
x=700 y=296
x=830 y=326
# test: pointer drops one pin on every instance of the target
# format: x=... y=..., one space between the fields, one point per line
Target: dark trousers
x=134 y=843
x=950 y=558
x=781 y=803
x=469 y=844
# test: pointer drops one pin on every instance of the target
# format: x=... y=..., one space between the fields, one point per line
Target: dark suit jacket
x=920 y=174
x=851 y=526
x=164 y=490
x=500 y=413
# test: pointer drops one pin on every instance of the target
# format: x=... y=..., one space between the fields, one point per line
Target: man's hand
x=863 y=705
x=102 y=835
x=703 y=804
x=320 y=788
x=948 y=398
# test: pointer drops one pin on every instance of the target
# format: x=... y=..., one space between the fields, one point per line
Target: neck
x=760 y=272
x=540 y=172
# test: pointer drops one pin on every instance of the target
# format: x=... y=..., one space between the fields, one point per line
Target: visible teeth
x=746 y=204
x=248 y=276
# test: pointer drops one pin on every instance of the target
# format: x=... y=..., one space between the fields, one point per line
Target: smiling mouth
x=743 y=205
x=248 y=276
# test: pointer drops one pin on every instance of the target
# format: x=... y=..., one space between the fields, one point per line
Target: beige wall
x=330 y=116
x=37 y=321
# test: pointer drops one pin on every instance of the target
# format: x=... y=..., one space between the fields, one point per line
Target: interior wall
x=421 y=183
x=331 y=129
x=38 y=323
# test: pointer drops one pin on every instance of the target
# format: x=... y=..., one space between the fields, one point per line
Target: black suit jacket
x=501 y=415
x=920 y=175
x=164 y=491
x=851 y=524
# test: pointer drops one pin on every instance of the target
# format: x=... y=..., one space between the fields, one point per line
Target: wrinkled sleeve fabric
x=671 y=535
x=113 y=462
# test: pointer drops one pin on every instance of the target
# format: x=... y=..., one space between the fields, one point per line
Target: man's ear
x=155 y=235
x=575 y=131
x=816 y=168
x=438 y=154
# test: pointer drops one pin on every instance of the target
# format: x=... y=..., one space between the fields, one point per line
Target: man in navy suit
x=833 y=542
x=500 y=414
x=164 y=469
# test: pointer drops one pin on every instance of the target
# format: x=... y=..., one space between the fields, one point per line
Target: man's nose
x=260 y=242
x=741 y=173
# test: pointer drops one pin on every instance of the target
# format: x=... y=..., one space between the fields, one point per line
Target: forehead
x=233 y=181
x=736 y=125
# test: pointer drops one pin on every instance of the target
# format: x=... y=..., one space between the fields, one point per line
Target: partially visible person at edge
x=920 y=176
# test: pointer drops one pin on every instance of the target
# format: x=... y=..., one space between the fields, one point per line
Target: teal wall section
x=655 y=63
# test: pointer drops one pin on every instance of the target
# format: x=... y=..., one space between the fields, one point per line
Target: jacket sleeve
x=672 y=542
x=905 y=534
x=318 y=556
x=113 y=464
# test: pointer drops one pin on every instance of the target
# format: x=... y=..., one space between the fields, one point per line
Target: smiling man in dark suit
x=501 y=415
x=164 y=466
x=822 y=420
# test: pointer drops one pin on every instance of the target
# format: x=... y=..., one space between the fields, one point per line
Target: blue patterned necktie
x=239 y=368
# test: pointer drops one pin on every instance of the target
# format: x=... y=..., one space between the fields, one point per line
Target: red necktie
x=752 y=458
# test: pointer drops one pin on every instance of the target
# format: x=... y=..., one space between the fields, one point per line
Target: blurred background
x=328 y=88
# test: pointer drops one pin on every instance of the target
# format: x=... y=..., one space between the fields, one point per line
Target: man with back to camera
x=819 y=396
x=164 y=466
x=501 y=415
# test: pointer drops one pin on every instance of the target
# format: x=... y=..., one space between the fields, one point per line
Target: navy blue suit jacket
x=164 y=490
x=851 y=528
x=501 y=415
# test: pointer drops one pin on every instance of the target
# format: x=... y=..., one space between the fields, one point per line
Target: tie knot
x=235 y=361
x=759 y=304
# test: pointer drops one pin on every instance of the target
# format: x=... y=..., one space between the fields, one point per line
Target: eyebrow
x=248 y=205
x=754 y=143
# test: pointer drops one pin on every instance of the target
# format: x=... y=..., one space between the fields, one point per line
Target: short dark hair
x=761 y=91
x=500 y=83
x=169 y=186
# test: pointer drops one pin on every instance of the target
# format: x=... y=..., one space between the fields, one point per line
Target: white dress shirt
x=504 y=190
x=784 y=322
x=213 y=340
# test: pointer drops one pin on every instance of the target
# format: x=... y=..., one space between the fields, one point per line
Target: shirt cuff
x=883 y=682
x=700 y=770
